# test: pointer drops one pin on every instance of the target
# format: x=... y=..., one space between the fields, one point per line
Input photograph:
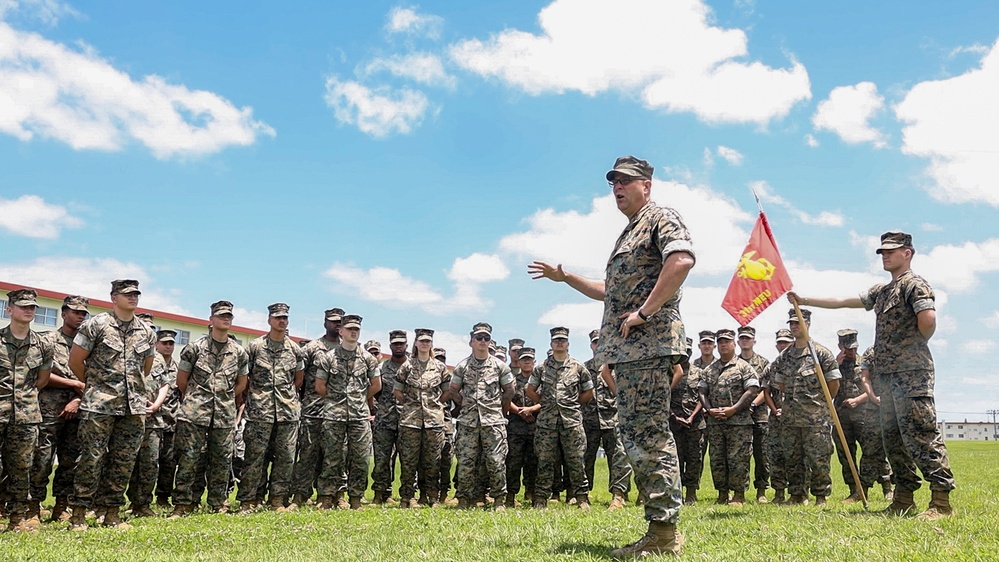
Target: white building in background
x=969 y=431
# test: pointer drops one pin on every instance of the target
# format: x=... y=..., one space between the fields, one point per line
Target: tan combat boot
x=182 y=510
x=511 y=500
x=939 y=506
x=78 y=521
x=464 y=503
x=277 y=504
x=341 y=503
x=583 y=502
x=902 y=503
x=113 y=519
x=61 y=510
x=18 y=524
x=820 y=500
x=297 y=501
x=722 y=497
x=661 y=538
x=324 y=502
x=355 y=503
x=248 y=506
x=33 y=517
x=142 y=511
x=498 y=505
x=617 y=502
x=163 y=502
x=886 y=490
x=797 y=499
x=738 y=499
x=855 y=496
x=691 y=498
x=761 y=495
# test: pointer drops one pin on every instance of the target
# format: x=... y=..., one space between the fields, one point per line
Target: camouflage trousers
x=690 y=454
x=447 y=457
x=808 y=451
x=572 y=440
x=202 y=451
x=308 y=457
x=619 y=471
x=108 y=447
x=17 y=445
x=909 y=428
x=355 y=462
x=862 y=428
x=168 y=465
x=56 y=437
x=420 y=452
x=761 y=462
x=521 y=462
x=383 y=442
x=489 y=444
x=775 y=454
x=277 y=438
x=643 y=417
x=146 y=470
x=729 y=448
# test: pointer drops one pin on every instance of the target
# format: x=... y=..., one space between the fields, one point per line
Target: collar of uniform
x=641 y=213
x=8 y=337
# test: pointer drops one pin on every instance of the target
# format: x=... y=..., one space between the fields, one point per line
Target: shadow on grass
x=725 y=514
x=594 y=550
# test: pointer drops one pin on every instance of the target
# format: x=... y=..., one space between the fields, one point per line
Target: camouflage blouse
x=803 y=402
x=20 y=364
x=898 y=344
x=422 y=385
x=481 y=384
x=210 y=398
x=348 y=374
x=116 y=383
x=560 y=383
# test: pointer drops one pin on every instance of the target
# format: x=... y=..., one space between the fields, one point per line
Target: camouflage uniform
x=385 y=433
x=147 y=460
x=775 y=436
x=481 y=425
x=113 y=406
x=560 y=423
x=600 y=427
x=207 y=418
x=761 y=427
x=421 y=425
x=348 y=374
x=860 y=427
x=56 y=435
x=20 y=364
x=689 y=440
x=309 y=457
x=273 y=411
x=904 y=368
x=521 y=459
x=731 y=440
x=168 y=453
x=643 y=364
x=806 y=425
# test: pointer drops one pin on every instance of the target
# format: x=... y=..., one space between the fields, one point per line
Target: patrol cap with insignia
x=76 y=302
x=482 y=328
x=501 y=352
x=397 y=336
x=351 y=321
x=725 y=334
x=784 y=335
x=335 y=314
x=747 y=331
x=278 y=310
x=805 y=313
x=559 y=333
x=166 y=335
x=221 y=307
x=515 y=344
x=439 y=352
x=125 y=287
x=705 y=335
x=373 y=345
x=848 y=338
x=492 y=347
x=632 y=167
x=23 y=297
x=893 y=240
x=424 y=334
x=526 y=352
x=594 y=335
x=145 y=316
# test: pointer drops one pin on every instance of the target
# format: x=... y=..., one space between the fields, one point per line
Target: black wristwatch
x=642 y=315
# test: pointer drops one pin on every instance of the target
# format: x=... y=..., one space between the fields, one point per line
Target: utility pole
x=995 y=428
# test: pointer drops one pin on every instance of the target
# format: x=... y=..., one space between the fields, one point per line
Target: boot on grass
x=901 y=504
x=939 y=506
x=661 y=538
x=113 y=519
x=616 y=503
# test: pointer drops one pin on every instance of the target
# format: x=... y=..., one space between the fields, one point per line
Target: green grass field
x=754 y=532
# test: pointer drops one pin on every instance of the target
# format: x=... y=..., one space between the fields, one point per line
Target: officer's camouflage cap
x=526 y=352
x=76 y=302
x=278 y=310
x=892 y=240
x=397 y=336
x=784 y=335
x=335 y=314
x=559 y=332
x=705 y=335
x=515 y=344
x=221 y=307
x=351 y=321
x=805 y=313
x=725 y=334
x=372 y=344
x=23 y=297
x=145 y=316
x=631 y=166
x=166 y=335
x=848 y=338
x=124 y=287
x=424 y=334
x=594 y=335
x=482 y=328
x=439 y=352
x=747 y=331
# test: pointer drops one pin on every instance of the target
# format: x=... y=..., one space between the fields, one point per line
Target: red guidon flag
x=760 y=278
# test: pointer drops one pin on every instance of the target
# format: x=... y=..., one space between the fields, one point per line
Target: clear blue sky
x=406 y=161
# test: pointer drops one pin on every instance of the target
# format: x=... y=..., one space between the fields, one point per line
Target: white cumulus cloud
x=953 y=123
x=408 y=20
x=848 y=112
x=423 y=68
x=979 y=347
x=958 y=268
x=378 y=112
x=992 y=321
x=31 y=216
x=731 y=155
x=673 y=56
x=47 y=11
x=811 y=141
x=74 y=96
x=824 y=218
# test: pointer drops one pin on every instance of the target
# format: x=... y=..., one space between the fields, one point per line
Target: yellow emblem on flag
x=760 y=269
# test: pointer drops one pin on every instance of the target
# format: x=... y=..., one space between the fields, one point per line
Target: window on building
x=183 y=337
x=960 y=436
x=3 y=310
x=960 y=427
x=950 y=436
x=46 y=316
